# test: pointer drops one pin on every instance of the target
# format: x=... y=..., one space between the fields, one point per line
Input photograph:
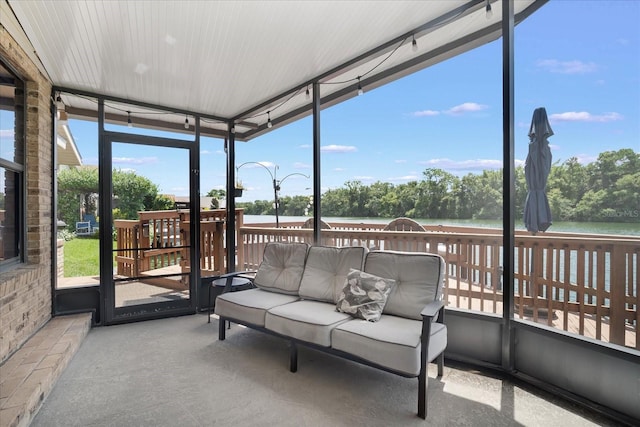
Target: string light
x=489 y=12
x=59 y=103
x=414 y=44
x=360 y=91
x=307 y=94
x=269 y=124
x=186 y=122
x=129 y=122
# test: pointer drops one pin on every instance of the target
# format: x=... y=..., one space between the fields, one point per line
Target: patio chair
x=83 y=228
x=309 y=224
x=94 y=226
x=323 y=226
x=399 y=244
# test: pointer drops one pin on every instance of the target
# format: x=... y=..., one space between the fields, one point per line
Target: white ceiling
x=239 y=59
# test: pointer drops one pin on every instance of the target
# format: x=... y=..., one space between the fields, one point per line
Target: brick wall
x=25 y=291
x=60 y=266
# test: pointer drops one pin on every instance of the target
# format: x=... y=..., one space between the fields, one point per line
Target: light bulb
x=414 y=44
x=269 y=124
x=129 y=122
x=186 y=122
x=307 y=94
x=489 y=12
x=360 y=91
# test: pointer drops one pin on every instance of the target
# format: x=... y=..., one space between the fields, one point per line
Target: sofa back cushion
x=281 y=268
x=326 y=271
x=419 y=279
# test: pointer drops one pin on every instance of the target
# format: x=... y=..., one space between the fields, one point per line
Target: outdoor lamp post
x=276 y=184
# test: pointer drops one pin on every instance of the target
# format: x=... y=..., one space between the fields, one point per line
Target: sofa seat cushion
x=281 y=267
x=250 y=306
x=309 y=321
x=326 y=271
x=392 y=342
x=418 y=276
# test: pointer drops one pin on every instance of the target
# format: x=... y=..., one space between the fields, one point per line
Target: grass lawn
x=82 y=257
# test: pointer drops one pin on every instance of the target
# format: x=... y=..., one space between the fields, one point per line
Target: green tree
x=133 y=193
x=77 y=189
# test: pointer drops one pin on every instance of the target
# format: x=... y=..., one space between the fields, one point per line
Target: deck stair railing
x=160 y=239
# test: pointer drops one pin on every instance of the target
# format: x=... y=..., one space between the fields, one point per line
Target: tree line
x=607 y=189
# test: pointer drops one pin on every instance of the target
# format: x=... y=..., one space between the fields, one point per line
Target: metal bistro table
x=230 y=282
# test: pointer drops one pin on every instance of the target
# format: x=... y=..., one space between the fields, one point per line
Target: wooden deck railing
x=586 y=284
x=582 y=283
x=160 y=239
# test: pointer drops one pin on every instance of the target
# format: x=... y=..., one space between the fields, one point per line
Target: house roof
x=245 y=61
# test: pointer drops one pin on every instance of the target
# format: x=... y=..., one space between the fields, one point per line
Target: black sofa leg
x=422 y=393
x=293 y=357
x=221 y=329
x=441 y=364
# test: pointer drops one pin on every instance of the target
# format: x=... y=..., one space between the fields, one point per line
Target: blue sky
x=578 y=59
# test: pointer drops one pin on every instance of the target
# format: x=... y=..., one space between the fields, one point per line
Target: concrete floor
x=174 y=372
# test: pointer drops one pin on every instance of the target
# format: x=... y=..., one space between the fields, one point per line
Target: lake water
x=629 y=229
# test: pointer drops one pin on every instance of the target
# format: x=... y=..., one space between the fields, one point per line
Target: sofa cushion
x=250 y=306
x=281 y=267
x=326 y=270
x=310 y=321
x=392 y=342
x=419 y=278
x=364 y=295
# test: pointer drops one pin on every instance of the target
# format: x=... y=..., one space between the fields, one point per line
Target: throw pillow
x=364 y=295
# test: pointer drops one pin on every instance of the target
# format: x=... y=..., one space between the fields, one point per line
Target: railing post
x=617 y=290
x=136 y=251
x=240 y=238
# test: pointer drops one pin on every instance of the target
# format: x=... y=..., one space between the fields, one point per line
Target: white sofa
x=297 y=290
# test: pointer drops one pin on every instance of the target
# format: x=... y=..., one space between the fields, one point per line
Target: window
x=11 y=168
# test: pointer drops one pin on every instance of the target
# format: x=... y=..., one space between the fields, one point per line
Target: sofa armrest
x=431 y=310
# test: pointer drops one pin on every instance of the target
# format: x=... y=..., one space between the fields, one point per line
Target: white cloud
x=363 y=178
x=584 y=159
x=400 y=161
x=567 y=67
x=404 y=178
x=305 y=146
x=6 y=133
x=127 y=170
x=425 y=113
x=583 y=116
x=253 y=165
x=205 y=152
x=467 y=107
x=300 y=165
x=339 y=169
x=475 y=164
x=135 y=160
x=338 y=149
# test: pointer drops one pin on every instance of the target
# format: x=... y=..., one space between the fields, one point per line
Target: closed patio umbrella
x=537 y=214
